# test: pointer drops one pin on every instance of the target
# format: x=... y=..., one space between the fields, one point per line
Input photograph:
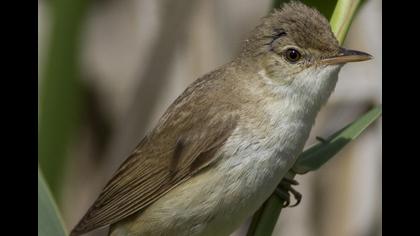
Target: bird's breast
x=255 y=158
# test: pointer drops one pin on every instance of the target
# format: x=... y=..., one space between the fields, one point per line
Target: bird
x=223 y=146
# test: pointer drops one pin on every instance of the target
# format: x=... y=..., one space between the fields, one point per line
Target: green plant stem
x=342 y=17
x=261 y=223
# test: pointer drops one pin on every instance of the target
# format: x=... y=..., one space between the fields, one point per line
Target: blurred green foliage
x=60 y=88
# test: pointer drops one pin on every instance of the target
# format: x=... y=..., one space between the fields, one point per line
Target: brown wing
x=184 y=142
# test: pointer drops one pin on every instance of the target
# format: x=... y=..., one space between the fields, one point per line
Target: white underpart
x=252 y=173
x=253 y=165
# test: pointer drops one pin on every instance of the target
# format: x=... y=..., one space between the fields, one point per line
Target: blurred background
x=109 y=68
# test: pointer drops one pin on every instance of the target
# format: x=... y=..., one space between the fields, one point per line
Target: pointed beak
x=346 y=55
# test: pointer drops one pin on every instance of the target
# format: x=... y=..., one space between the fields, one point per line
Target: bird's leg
x=284 y=189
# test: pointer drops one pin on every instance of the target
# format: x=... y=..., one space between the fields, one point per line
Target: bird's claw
x=284 y=189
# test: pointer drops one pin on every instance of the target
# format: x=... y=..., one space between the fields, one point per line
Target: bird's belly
x=249 y=178
x=253 y=166
x=219 y=199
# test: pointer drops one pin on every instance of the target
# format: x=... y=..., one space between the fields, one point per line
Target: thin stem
x=342 y=17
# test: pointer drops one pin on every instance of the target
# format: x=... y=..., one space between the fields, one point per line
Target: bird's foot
x=284 y=189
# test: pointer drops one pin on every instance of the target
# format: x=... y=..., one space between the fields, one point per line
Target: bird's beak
x=346 y=55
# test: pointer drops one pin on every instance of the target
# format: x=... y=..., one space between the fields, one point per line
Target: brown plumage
x=260 y=105
x=183 y=142
x=305 y=26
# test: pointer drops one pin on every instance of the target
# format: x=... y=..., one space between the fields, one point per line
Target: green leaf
x=49 y=220
x=317 y=155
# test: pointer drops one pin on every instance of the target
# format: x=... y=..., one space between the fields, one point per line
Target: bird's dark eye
x=292 y=55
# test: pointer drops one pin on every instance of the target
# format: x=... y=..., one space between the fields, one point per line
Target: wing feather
x=181 y=145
